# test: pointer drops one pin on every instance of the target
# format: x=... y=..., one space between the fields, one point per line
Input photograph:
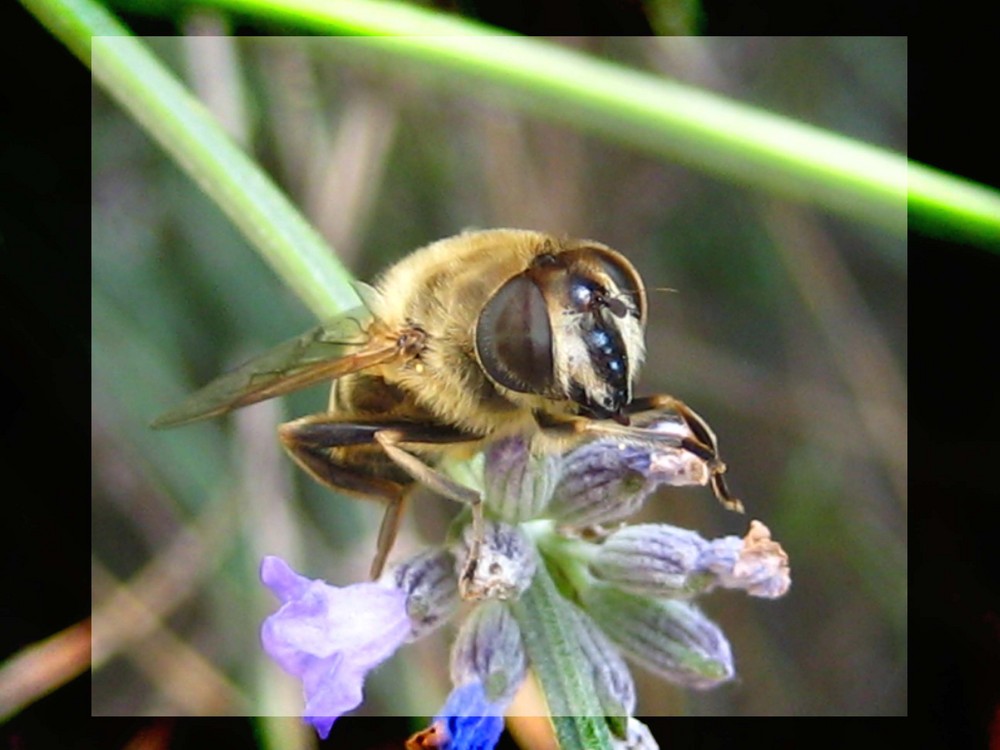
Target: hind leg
x=371 y=459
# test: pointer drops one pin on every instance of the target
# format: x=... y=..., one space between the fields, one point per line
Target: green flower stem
x=570 y=556
x=734 y=141
x=134 y=77
x=554 y=656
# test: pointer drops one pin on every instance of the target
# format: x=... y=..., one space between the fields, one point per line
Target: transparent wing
x=340 y=346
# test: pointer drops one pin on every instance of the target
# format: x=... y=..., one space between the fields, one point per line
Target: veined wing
x=328 y=351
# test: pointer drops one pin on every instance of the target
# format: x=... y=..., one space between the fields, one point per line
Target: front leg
x=704 y=440
x=373 y=459
x=692 y=435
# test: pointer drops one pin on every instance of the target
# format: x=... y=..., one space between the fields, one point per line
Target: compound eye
x=626 y=278
x=514 y=337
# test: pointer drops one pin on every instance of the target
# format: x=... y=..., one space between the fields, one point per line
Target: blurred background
x=783 y=326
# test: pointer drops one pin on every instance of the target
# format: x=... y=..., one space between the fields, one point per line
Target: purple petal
x=330 y=637
x=471 y=723
x=284 y=582
x=330 y=691
x=322 y=725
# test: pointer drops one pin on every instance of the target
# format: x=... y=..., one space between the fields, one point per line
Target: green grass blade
x=734 y=141
x=141 y=84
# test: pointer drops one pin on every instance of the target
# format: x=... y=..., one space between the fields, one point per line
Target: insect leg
x=317 y=454
x=696 y=437
x=387 y=532
x=435 y=480
x=703 y=444
x=366 y=458
x=583 y=428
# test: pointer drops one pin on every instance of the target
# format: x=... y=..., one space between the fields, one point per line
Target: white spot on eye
x=581 y=296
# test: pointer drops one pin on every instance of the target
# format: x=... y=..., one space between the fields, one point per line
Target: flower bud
x=755 y=563
x=431 y=588
x=467 y=721
x=609 y=479
x=488 y=650
x=517 y=485
x=667 y=636
x=662 y=560
x=653 y=559
x=500 y=568
x=611 y=676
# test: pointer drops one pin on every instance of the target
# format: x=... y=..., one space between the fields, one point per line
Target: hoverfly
x=467 y=340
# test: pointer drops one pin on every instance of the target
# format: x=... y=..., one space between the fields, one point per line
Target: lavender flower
x=517 y=484
x=431 y=589
x=505 y=562
x=633 y=586
x=654 y=559
x=612 y=679
x=488 y=650
x=670 y=637
x=330 y=637
x=755 y=563
x=662 y=560
x=609 y=479
x=470 y=722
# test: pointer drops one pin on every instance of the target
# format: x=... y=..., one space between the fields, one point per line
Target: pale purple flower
x=608 y=479
x=489 y=650
x=330 y=637
x=662 y=560
x=756 y=563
